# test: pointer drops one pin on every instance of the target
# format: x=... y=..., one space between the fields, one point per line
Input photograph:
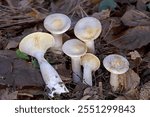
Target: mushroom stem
x=76 y=68
x=50 y=76
x=58 y=43
x=114 y=81
x=87 y=76
x=90 y=46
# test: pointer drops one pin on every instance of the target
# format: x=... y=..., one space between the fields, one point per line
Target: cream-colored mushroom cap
x=57 y=23
x=91 y=61
x=116 y=64
x=36 y=42
x=74 y=48
x=88 y=28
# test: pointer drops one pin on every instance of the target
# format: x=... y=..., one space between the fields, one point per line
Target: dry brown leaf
x=129 y=39
x=85 y=97
x=11 y=44
x=121 y=98
x=102 y=15
x=135 y=18
x=145 y=91
x=63 y=6
x=63 y=72
x=5 y=94
x=92 y=91
x=141 y=5
x=147 y=59
x=130 y=95
x=128 y=81
x=134 y=54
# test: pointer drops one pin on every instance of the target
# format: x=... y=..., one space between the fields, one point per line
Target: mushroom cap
x=116 y=64
x=74 y=48
x=36 y=42
x=91 y=61
x=88 y=28
x=57 y=23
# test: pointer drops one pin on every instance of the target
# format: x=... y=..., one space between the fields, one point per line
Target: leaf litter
x=126 y=31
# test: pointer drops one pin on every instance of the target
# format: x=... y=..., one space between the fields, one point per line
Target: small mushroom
x=116 y=64
x=90 y=63
x=57 y=24
x=36 y=44
x=74 y=48
x=88 y=29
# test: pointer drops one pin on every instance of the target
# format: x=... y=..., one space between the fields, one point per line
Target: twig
x=11 y=6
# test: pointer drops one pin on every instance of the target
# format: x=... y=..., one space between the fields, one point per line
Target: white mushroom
x=57 y=24
x=74 y=48
x=116 y=64
x=88 y=29
x=90 y=63
x=36 y=44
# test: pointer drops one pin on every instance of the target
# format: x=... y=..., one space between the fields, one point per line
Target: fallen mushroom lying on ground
x=36 y=44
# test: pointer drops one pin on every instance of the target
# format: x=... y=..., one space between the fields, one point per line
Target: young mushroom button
x=57 y=24
x=90 y=63
x=36 y=44
x=116 y=64
x=88 y=29
x=74 y=48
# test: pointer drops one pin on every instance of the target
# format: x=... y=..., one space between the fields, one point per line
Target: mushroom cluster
x=81 y=51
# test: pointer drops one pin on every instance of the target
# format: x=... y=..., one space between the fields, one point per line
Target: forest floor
x=125 y=31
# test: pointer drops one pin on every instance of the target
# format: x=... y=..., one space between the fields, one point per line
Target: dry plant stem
x=50 y=76
x=58 y=43
x=76 y=68
x=90 y=46
x=87 y=76
x=114 y=81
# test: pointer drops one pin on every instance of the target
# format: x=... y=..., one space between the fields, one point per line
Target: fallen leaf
x=93 y=92
x=129 y=95
x=11 y=45
x=64 y=73
x=145 y=91
x=129 y=39
x=63 y=6
x=102 y=15
x=85 y=97
x=121 y=98
x=135 y=18
x=128 y=81
x=8 y=54
x=141 y=5
x=5 y=94
x=5 y=66
x=134 y=54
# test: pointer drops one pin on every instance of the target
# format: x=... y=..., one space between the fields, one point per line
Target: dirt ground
x=125 y=31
